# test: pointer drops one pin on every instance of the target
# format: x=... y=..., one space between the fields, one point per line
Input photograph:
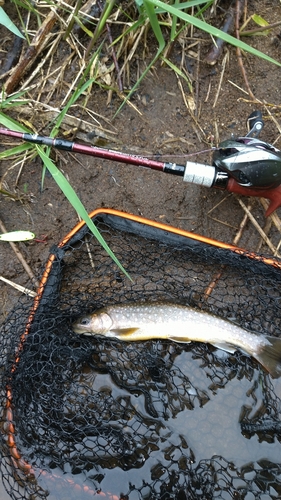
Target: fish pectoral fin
x=119 y=332
x=225 y=346
x=181 y=340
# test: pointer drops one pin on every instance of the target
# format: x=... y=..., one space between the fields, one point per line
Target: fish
x=180 y=323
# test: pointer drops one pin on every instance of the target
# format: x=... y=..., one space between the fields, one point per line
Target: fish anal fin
x=225 y=346
x=269 y=356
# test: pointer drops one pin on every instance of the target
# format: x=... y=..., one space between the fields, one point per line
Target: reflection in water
x=140 y=429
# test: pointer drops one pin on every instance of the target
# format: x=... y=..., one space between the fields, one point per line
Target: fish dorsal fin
x=181 y=340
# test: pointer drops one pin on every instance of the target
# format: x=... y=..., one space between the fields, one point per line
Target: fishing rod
x=244 y=165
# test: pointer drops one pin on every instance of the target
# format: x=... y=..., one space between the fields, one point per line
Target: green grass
x=8 y=23
x=152 y=9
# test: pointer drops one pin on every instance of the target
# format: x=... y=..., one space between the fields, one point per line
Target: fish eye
x=84 y=321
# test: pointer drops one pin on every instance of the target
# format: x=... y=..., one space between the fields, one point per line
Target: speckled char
x=136 y=322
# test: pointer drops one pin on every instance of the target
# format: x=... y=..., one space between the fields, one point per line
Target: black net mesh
x=85 y=417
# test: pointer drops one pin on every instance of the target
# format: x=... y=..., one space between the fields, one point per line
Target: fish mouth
x=80 y=327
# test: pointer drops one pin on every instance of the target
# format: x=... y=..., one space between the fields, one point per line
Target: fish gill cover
x=97 y=418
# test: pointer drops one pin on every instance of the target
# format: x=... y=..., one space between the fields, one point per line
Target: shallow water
x=215 y=430
x=207 y=431
x=3 y=493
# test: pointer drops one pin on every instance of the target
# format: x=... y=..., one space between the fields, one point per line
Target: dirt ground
x=164 y=126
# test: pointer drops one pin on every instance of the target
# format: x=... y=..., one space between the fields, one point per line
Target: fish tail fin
x=269 y=356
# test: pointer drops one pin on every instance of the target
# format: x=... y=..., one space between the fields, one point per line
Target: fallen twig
x=219 y=203
x=218 y=275
x=215 y=52
x=260 y=29
x=18 y=287
x=275 y=220
x=242 y=226
x=197 y=80
x=259 y=229
x=266 y=229
x=274 y=217
x=189 y=104
x=37 y=45
x=221 y=78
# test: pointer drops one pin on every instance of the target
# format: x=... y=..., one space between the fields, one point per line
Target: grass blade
x=8 y=122
x=178 y=72
x=72 y=197
x=16 y=150
x=150 y=11
x=6 y=21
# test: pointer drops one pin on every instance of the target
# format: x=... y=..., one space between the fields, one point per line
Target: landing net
x=89 y=417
